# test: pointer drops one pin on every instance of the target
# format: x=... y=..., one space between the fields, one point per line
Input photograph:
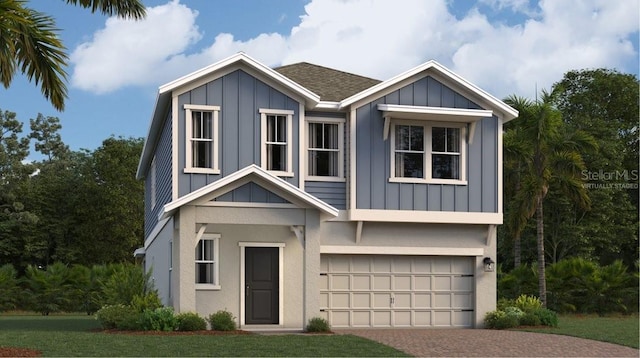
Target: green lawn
x=623 y=330
x=72 y=336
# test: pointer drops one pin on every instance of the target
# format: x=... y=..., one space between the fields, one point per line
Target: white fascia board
x=328 y=105
x=153 y=133
x=434 y=113
x=273 y=181
x=431 y=217
x=401 y=250
x=244 y=58
x=508 y=112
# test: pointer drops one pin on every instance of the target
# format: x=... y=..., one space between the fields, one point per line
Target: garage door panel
x=340 y=300
x=381 y=264
x=402 y=265
x=381 y=282
x=462 y=301
x=361 y=300
x=422 y=319
x=361 y=264
x=401 y=300
x=421 y=283
x=402 y=318
x=361 y=282
x=339 y=283
x=397 y=291
x=339 y=318
x=462 y=283
x=422 y=300
x=442 y=300
x=382 y=300
x=442 y=283
x=361 y=318
x=382 y=318
x=401 y=283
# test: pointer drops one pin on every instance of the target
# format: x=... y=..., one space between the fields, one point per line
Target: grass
x=623 y=330
x=72 y=336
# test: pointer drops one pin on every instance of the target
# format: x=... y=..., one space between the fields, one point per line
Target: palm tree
x=29 y=42
x=542 y=153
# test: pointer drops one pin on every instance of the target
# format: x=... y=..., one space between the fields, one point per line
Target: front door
x=261 y=285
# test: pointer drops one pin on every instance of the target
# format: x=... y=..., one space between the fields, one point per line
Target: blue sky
x=503 y=46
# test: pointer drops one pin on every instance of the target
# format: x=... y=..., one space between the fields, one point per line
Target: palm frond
x=133 y=9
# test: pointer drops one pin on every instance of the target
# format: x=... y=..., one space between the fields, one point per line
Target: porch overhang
x=252 y=173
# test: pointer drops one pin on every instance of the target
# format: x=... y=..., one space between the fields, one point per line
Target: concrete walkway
x=489 y=343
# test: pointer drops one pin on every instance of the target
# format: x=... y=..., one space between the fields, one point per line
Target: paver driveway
x=489 y=343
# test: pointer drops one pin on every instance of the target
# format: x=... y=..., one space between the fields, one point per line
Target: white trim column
x=184 y=268
x=311 y=266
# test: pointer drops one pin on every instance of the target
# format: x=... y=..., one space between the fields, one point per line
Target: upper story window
x=206 y=260
x=276 y=138
x=201 y=128
x=324 y=146
x=428 y=152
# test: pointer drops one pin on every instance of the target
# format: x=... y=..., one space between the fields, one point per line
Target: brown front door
x=261 y=285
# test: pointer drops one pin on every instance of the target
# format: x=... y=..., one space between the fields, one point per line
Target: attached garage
x=397 y=291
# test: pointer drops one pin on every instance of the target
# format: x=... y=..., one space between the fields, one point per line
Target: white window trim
x=427 y=179
x=189 y=168
x=216 y=263
x=340 y=122
x=264 y=112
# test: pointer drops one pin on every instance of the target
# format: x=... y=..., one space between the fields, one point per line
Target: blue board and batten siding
x=373 y=189
x=251 y=193
x=164 y=178
x=240 y=97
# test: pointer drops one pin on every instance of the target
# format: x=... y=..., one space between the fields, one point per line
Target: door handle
x=246 y=291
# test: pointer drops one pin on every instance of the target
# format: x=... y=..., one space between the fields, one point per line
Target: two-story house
x=302 y=191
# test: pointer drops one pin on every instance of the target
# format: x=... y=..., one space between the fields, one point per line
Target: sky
x=503 y=46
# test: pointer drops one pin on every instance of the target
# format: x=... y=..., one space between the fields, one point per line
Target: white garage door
x=397 y=291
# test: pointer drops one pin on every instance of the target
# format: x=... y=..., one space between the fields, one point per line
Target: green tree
x=29 y=42
x=551 y=157
x=16 y=223
x=113 y=214
x=604 y=103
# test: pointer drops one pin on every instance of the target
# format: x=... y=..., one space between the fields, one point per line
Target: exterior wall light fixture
x=489 y=264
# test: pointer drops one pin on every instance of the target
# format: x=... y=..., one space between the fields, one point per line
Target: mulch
x=19 y=352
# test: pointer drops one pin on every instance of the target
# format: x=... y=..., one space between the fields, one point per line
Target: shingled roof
x=331 y=85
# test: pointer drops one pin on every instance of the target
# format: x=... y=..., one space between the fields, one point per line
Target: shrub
x=116 y=316
x=528 y=303
x=50 y=290
x=8 y=288
x=530 y=319
x=189 y=321
x=159 y=319
x=504 y=303
x=318 y=324
x=125 y=282
x=501 y=320
x=148 y=301
x=547 y=317
x=222 y=321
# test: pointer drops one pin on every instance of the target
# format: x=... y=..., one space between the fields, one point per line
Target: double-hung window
x=206 y=259
x=324 y=147
x=427 y=152
x=277 y=152
x=201 y=128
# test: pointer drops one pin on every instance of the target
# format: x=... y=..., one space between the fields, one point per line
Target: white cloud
x=379 y=39
x=128 y=52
